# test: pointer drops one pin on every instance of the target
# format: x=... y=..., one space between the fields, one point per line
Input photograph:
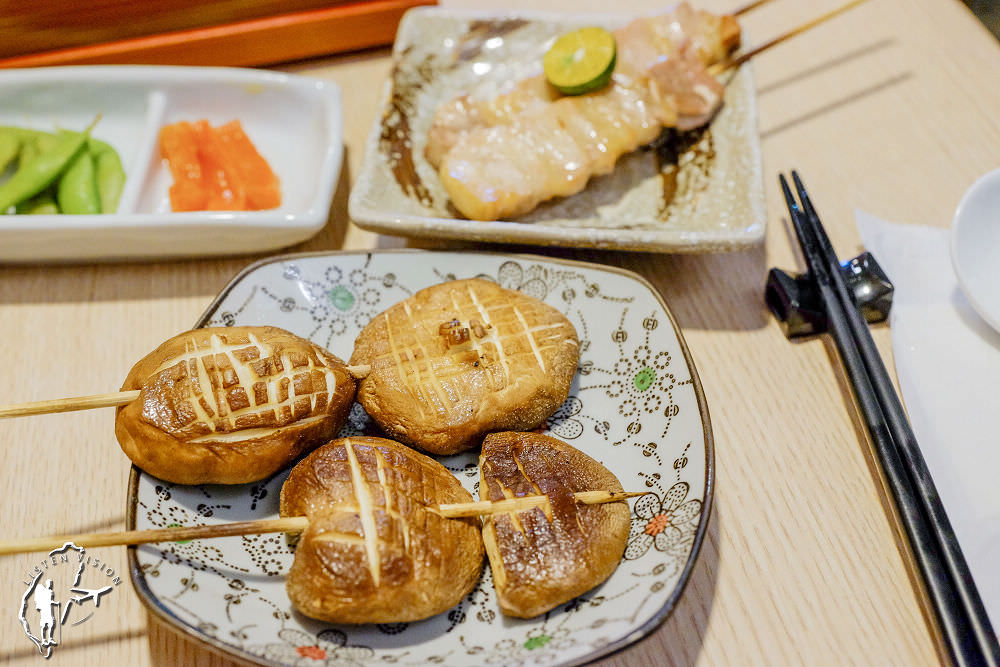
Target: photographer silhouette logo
x=60 y=592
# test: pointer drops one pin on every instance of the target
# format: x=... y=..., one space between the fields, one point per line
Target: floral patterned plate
x=636 y=405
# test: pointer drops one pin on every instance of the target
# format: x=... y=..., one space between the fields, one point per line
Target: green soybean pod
x=44 y=203
x=10 y=146
x=45 y=141
x=110 y=174
x=29 y=151
x=76 y=191
x=38 y=172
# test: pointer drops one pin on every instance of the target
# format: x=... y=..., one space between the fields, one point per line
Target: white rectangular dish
x=700 y=192
x=294 y=122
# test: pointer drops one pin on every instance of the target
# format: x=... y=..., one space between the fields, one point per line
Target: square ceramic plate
x=636 y=405
x=293 y=121
x=713 y=201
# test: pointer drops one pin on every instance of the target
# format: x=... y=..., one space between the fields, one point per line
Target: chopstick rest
x=794 y=302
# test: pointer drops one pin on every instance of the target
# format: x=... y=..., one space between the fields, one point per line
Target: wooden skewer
x=295 y=524
x=483 y=507
x=68 y=404
x=719 y=68
x=104 y=400
x=747 y=7
x=359 y=372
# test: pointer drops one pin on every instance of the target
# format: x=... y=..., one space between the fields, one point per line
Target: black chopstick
x=961 y=615
x=905 y=440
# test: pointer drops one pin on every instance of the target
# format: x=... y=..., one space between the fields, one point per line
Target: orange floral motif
x=329 y=648
x=668 y=523
x=656 y=525
x=314 y=652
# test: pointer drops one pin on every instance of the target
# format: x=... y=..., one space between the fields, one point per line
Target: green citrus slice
x=581 y=61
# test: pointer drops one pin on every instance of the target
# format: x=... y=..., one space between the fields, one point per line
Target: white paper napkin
x=948 y=365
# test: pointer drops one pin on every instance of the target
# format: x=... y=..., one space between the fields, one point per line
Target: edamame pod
x=37 y=173
x=29 y=151
x=46 y=141
x=10 y=146
x=43 y=140
x=77 y=189
x=41 y=204
x=110 y=175
x=97 y=146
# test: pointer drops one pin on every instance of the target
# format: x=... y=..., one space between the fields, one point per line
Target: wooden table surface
x=890 y=108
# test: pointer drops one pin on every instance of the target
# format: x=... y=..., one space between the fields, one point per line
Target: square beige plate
x=708 y=198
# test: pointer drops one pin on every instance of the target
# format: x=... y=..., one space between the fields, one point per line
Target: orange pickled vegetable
x=219 y=177
x=179 y=145
x=262 y=187
x=217 y=169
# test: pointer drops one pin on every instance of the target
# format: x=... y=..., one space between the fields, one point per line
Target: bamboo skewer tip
x=282 y=525
x=734 y=62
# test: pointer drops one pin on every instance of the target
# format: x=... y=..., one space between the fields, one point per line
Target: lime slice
x=581 y=61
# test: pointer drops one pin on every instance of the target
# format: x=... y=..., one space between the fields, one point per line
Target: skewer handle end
x=68 y=404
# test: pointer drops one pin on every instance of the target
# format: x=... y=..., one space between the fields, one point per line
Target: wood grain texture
x=890 y=108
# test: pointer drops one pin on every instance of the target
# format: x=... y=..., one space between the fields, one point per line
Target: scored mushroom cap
x=375 y=551
x=464 y=358
x=231 y=405
x=548 y=555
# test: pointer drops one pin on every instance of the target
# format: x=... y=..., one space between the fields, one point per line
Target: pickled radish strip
x=180 y=147
x=219 y=174
x=217 y=169
x=262 y=187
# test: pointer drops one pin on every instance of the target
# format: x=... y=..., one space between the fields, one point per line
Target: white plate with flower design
x=636 y=405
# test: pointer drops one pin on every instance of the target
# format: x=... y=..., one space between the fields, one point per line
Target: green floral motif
x=537 y=642
x=341 y=297
x=644 y=379
x=177 y=525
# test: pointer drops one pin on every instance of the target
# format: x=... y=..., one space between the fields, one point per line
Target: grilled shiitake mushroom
x=376 y=550
x=231 y=405
x=547 y=555
x=461 y=359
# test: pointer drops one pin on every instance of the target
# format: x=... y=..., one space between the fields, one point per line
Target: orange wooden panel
x=34 y=27
x=262 y=41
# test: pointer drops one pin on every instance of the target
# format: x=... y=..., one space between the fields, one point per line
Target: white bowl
x=975 y=246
